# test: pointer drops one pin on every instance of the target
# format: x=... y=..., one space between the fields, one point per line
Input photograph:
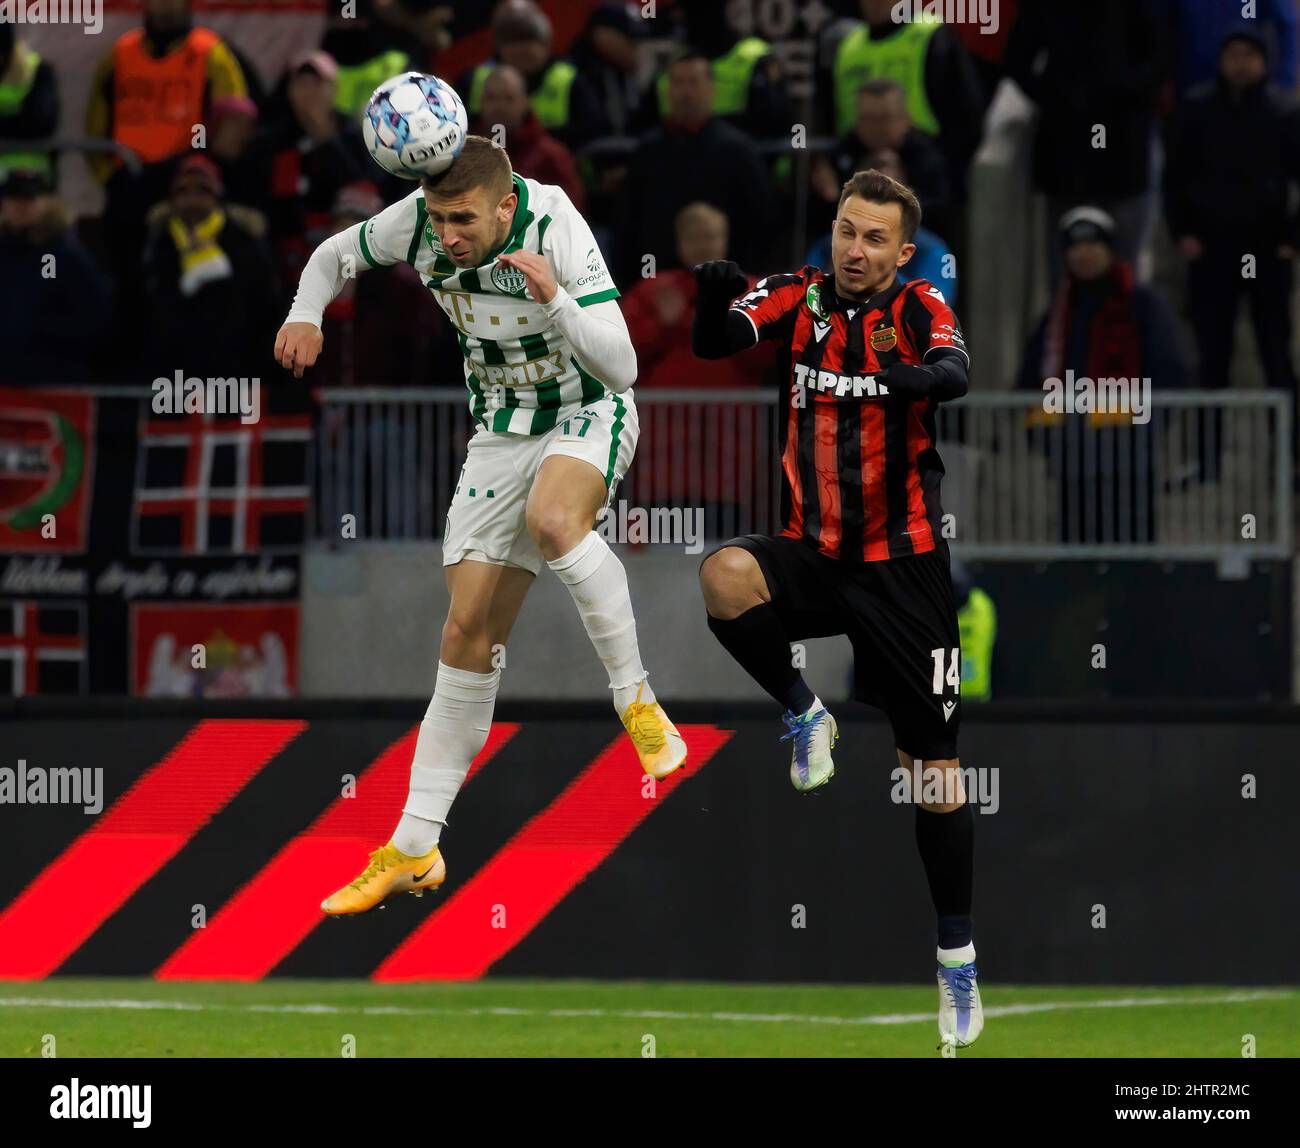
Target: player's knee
x=731 y=581
x=555 y=529
x=463 y=637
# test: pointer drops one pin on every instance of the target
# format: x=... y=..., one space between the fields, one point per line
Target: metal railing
x=56 y=145
x=1208 y=477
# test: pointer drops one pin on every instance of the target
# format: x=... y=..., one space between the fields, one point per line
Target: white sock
x=964 y=955
x=453 y=731
x=596 y=579
x=416 y=836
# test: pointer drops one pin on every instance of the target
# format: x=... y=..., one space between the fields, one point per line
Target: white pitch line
x=635 y=1014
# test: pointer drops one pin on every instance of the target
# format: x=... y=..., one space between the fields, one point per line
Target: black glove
x=719 y=280
x=907 y=381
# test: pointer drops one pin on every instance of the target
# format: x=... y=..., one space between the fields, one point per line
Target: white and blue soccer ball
x=415 y=125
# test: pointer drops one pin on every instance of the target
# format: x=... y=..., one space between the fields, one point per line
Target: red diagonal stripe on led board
x=541 y=864
x=269 y=917
x=143 y=830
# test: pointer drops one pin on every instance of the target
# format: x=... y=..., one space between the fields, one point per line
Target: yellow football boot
x=390 y=871
x=658 y=744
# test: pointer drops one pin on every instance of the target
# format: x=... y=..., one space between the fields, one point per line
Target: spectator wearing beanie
x=211 y=295
x=1101 y=324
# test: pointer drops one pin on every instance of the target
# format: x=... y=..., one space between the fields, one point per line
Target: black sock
x=947 y=845
x=756 y=639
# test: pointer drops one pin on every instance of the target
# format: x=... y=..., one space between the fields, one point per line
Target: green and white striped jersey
x=522 y=375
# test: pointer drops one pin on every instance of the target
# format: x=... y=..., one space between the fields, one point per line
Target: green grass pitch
x=521 y=1018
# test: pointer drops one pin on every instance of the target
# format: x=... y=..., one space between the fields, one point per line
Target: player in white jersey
x=549 y=366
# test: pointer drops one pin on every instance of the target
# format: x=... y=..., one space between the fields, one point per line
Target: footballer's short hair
x=481 y=163
x=877 y=187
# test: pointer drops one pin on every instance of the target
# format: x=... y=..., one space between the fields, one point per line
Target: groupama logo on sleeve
x=595 y=268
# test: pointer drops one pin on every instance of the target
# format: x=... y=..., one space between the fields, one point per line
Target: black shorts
x=899 y=616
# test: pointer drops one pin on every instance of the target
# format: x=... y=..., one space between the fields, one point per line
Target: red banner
x=47 y=451
x=214 y=651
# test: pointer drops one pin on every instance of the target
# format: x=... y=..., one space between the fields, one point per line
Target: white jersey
x=522 y=374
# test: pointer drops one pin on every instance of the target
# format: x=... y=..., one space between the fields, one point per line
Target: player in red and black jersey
x=861 y=552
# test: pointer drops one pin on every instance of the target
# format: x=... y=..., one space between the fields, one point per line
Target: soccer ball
x=414 y=125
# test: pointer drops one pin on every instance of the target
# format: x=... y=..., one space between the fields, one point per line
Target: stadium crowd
x=201 y=239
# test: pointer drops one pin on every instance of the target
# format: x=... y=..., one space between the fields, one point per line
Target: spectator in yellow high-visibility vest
x=977 y=626
x=925 y=57
x=29 y=102
x=151 y=93
x=565 y=102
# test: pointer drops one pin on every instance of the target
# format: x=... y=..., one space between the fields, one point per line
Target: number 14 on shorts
x=953 y=676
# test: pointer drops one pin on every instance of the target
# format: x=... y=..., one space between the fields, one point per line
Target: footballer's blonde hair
x=481 y=163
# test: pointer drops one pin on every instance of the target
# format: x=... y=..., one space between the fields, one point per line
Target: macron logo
x=77 y=1101
x=820 y=330
x=948 y=708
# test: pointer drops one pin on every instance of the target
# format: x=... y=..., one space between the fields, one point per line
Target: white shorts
x=486 y=518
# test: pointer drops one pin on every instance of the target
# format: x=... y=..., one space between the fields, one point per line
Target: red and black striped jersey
x=860 y=471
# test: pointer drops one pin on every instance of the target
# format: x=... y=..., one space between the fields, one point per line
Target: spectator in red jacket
x=509 y=119
x=658 y=311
